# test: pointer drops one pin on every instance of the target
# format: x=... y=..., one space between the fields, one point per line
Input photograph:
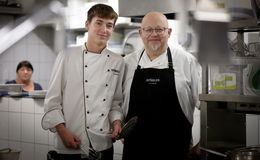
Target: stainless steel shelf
x=245 y=60
x=248 y=25
x=11 y=10
x=230 y=98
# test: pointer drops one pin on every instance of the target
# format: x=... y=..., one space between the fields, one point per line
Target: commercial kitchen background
x=20 y=118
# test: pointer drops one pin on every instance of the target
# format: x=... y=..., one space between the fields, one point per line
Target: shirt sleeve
x=196 y=77
x=53 y=101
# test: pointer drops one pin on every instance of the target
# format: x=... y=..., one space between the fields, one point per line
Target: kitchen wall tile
x=27 y=151
x=27 y=127
x=11 y=68
x=15 y=104
x=14 y=126
x=27 y=105
x=47 y=54
x=41 y=136
x=4 y=143
x=4 y=104
x=33 y=54
x=39 y=105
x=4 y=125
x=20 y=52
x=45 y=70
x=8 y=55
x=41 y=151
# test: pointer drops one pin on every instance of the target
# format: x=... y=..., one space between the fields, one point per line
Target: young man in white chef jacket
x=83 y=103
x=162 y=86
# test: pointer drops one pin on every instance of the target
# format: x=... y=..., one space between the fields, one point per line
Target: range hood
x=137 y=9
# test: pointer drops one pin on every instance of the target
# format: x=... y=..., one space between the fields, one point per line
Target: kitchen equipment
x=243 y=153
x=9 y=154
x=226 y=79
x=11 y=87
x=128 y=128
x=38 y=93
x=251 y=78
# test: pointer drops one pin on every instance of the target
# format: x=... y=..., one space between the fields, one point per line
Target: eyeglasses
x=157 y=30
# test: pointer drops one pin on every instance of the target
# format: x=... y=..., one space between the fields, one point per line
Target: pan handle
x=5 y=150
x=213 y=152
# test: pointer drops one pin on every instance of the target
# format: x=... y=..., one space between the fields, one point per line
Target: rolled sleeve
x=51 y=119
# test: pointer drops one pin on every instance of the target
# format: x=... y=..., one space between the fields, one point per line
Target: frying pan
x=244 y=153
x=128 y=128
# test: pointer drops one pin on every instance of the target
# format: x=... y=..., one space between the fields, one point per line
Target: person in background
x=161 y=88
x=83 y=102
x=24 y=71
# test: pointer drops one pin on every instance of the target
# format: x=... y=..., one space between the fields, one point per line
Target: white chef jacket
x=85 y=93
x=187 y=76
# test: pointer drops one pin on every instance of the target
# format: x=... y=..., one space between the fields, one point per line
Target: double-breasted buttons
x=106 y=85
x=87 y=96
x=101 y=129
x=107 y=55
x=104 y=99
x=86 y=81
x=86 y=66
x=102 y=114
x=87 y=112
x=108 y=70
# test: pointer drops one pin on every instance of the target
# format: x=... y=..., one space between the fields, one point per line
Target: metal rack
x=223 y=117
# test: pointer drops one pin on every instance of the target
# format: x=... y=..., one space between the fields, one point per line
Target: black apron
x=162 y=130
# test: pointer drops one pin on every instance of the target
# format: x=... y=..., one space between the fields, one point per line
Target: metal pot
x=9 y=154
x=245 y=153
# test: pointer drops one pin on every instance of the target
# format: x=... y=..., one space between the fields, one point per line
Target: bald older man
x=161 y=88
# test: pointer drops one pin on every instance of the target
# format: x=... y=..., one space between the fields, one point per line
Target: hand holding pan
x=128 y=128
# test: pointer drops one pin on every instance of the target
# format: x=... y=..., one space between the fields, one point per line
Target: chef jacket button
x=101 y=129
x=87 y=127
x=107 y=55
x=108 y=70
x=104 y=99
x=86 y=96
x=86 y=81
x=86 y=66
x=86 y=52
x=87 y=112
x=102 y=114
x=106 y=85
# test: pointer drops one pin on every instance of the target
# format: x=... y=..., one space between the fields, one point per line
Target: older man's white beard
x=154 y=48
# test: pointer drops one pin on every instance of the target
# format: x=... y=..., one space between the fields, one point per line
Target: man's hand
x=117 y=127
x=68 y=138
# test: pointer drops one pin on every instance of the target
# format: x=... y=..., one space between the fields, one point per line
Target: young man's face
x=100 y=30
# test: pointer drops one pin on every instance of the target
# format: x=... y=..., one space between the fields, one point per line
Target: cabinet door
x=252 y=129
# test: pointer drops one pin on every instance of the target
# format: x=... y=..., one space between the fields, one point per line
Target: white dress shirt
x=85 y=93
x=187 y=76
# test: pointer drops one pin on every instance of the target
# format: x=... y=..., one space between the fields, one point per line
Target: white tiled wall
x=20 y=124
x=35 y=47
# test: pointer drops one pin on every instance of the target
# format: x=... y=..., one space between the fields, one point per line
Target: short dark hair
x=102 y=11
x=24 y=64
